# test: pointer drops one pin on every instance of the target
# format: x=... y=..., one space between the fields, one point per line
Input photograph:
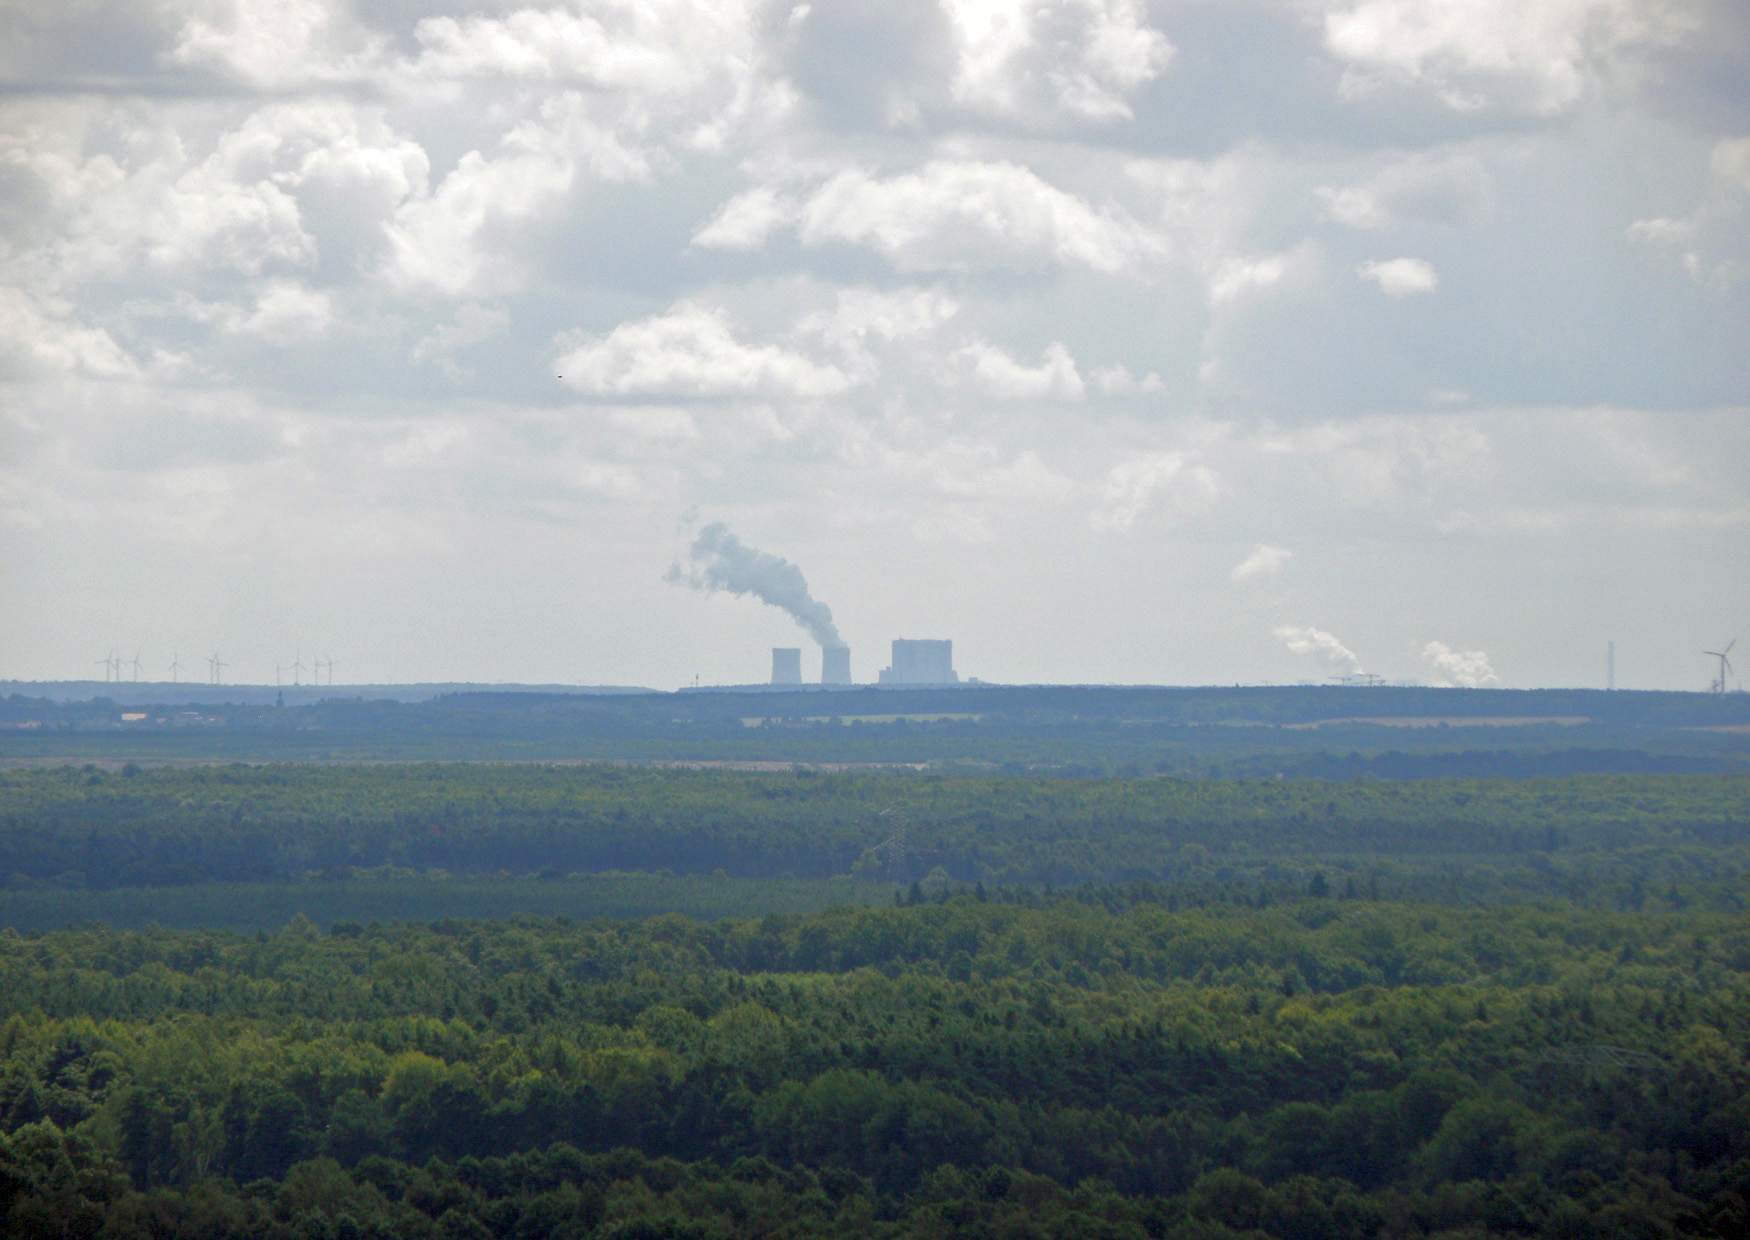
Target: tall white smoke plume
x=1331 y=653
x=1463 y=669
x=718 y=560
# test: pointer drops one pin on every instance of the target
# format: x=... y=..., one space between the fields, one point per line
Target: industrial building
x=786 y=665
x=920 y=663
x=835 y=665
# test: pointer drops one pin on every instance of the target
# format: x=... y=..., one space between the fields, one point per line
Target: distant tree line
x=166 y=827
x=1238 y=732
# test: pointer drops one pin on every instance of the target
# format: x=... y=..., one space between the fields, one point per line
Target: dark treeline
x=1240 y=732
x=73 y=827
x=482 y=709
x=1095 y=1065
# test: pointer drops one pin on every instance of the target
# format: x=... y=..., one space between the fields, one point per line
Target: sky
x=1200 y=341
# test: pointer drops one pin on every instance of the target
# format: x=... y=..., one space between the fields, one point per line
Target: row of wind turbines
x=115 y=668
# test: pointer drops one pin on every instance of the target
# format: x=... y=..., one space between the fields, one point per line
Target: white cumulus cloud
x=1117 y=380
x=1134 y=486
x=746 y=220
x=1044 y=59
x=1710 y=240
x=689 y=350
x=286 y=311
x=999 y=375
x=1264 y=560
x=33 y=336
x=1530 y=59
x=1400 y=277
x=970 y=216
x=273 y=44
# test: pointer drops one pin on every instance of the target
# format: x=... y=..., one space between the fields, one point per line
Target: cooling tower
x=835 y=665
x=786 y=665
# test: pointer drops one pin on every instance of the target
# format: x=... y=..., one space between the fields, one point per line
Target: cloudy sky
x=1175 y=341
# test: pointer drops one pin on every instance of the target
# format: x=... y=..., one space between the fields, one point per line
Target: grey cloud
x=867 y=64
x=882 y=355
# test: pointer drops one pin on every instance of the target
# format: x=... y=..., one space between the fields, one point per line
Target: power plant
x=786 y=665
x=914 y=663
x=918 y=662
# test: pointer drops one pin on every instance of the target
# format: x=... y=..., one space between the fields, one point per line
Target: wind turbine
x=108 y=662
x=298 y=668
x=218 y=666
x=136 y=663
x=1719 y=686
x=175 y=667
x=330 y=662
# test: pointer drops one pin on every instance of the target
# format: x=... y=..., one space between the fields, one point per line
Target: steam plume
x=1333 y=654
x=718 y=560
x=1465 y=669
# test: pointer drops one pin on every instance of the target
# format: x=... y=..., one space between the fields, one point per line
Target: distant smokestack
x=835 y=665
x=786 y=665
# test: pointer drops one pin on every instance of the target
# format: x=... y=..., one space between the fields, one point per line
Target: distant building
x=835 y=665
x=921 y=663
x=786 y=665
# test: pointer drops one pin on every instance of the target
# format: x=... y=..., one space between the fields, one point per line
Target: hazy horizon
x=1119 y=342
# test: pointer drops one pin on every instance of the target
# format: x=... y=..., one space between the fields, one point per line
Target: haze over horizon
x=1119 y=342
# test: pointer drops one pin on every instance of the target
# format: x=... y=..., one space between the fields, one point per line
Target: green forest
x=614 y=1000
x=69 y=826
x=1104 y=1063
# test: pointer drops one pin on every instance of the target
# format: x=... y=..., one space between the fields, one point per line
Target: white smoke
x=1330 y=652
x=718 y=560
x=1463 y=669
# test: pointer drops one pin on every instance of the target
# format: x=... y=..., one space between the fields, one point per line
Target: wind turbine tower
x=1719 y=686
x=175 y=667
